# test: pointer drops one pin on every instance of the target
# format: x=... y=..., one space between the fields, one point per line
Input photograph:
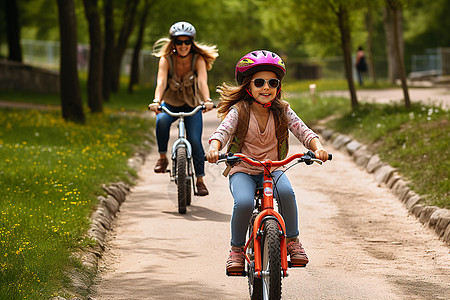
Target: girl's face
x=183 y=45
x=263 y=86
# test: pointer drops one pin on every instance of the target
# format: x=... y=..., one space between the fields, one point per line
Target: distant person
x=181 y=86
x=361 y=64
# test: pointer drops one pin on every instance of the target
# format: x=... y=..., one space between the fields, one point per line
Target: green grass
x=51 y=173
x=415 y=141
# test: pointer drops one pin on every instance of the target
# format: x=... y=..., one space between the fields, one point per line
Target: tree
x=94 y=87
x=369 y=26
x=134 y=75
x=13 y=30
x=71 y=102
x=391 y=31
x=342 y=13
x=321 y=25
x=122 y=42
x=108 y=10
x=395 y=8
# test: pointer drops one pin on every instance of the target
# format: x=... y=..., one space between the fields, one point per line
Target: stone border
x=101 y=223
x=432 y=216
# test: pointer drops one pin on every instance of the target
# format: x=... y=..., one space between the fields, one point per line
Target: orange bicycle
x=265 y=249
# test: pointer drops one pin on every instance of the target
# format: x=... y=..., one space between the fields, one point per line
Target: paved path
x=361 y=241
x=439 y=95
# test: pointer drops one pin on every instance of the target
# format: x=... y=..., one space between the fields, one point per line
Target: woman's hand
x=209 y=105
x=154 y=107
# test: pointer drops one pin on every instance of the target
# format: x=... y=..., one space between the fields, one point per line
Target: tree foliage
x=295 y=29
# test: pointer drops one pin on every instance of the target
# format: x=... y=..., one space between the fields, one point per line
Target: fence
x=46 y=54
x=436 y=61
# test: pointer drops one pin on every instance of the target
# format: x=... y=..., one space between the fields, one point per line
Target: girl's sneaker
x=236 y=260
x=297 y=253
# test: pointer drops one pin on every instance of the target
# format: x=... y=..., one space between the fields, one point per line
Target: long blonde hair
x=230 y=94
x=165 y=47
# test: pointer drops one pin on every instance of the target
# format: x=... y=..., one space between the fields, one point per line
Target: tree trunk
x=369 y=25
x=122 y=43
x=344 y=28
x=109 y=48
x=71 y=102
x=94 y=87
x=13 y=30
x=395 y=8
x=134 y=75
x=394 y=72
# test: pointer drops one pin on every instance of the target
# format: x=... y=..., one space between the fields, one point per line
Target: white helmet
x=182 y=29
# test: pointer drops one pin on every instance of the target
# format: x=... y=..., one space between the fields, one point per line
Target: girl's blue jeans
x=243 y=188
x=194 y=130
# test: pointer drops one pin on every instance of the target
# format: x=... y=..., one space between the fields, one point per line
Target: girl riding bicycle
x=181 y=86
x=256 y=122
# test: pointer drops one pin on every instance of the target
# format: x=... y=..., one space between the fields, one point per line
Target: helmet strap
x=265 y=105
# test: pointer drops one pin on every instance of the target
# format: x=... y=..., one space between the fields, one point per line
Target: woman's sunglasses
x=181 y=42
x=260 y=82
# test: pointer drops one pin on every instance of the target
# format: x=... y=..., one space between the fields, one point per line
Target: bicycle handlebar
x=184 y=114
x=307 y=157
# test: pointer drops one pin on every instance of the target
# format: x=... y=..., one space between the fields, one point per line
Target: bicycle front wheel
x=181 y=179
x=271 y=261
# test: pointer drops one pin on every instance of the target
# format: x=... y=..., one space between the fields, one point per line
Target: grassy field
x=415 y=140
x=51 y=171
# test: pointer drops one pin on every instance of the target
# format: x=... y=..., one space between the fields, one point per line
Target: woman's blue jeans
x=194 y=130
x=243 y=186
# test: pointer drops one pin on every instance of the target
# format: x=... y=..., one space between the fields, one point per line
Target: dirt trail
x=361 y=241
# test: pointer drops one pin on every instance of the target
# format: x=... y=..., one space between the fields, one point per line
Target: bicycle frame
x=181 y=140
x=267 y=212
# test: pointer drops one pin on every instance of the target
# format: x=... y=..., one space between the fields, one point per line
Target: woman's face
x=183 y=49
x=263 y=86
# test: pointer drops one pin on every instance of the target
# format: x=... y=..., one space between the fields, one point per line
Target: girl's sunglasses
x=180 y=42
x=260 y=82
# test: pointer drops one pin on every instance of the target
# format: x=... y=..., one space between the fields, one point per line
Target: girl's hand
x=212 y=155
x=321 y=154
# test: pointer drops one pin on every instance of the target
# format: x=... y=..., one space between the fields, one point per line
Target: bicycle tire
x=188 y=190
x=181 y=179
x=271 y=261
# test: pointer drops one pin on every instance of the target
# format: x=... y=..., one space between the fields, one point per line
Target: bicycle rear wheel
x=181 y=179
x=271 y=261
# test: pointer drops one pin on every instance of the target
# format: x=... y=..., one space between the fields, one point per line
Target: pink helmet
x=259 y=60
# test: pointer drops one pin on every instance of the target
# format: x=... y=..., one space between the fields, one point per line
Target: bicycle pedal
x=241 y=273
x=292 y=265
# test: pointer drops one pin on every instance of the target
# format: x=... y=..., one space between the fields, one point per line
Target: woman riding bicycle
x=182 y=84
x=256 y=122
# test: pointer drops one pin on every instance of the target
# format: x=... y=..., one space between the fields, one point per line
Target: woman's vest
x=237 y=140
x=184 y=90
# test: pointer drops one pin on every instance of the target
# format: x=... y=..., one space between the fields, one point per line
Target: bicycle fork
x=257 y=235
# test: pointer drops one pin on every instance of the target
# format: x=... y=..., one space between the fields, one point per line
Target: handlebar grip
x=223 y=156
x=312 y=155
